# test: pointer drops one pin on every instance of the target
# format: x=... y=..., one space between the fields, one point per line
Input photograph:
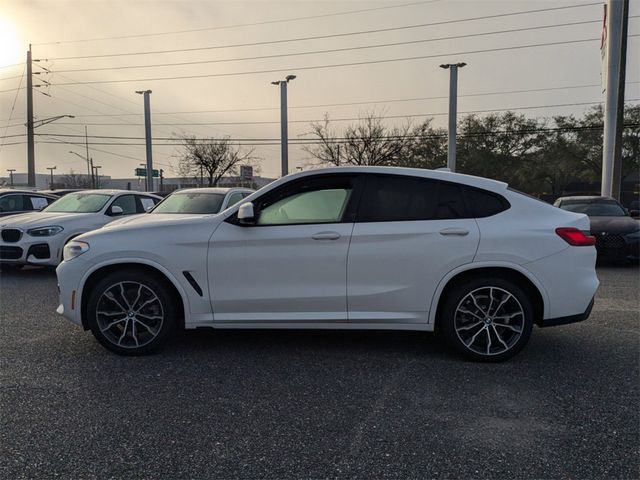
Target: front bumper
x=552 y=322
x=70 y=275
x=31 y=251
x=617 y=246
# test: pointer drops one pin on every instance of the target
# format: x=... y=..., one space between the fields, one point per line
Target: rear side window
x=38 y=203
x=397 y=198
x=12 y=203
x=481 y=203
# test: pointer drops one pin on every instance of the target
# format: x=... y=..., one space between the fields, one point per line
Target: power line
x=258 y=142
x=270 y=122
x=337 y=65
x=225 y=27
x=335 y=35
x=13 y=106
x=331 y=50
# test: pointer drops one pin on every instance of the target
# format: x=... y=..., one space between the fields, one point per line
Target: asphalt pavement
x=269 y=404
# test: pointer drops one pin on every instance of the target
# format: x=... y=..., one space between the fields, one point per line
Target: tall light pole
x=95 y=168
x=147 y=134
x=51 y=169
x=453 y=112
x=11 y=170
x=614 y=49
x=284 y=132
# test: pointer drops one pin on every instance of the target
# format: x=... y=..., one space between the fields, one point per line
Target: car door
x=409 y=233
x=290 y=265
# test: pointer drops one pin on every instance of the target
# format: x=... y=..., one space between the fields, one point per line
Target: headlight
x=45 y=231
x=73 y=249
x=633 y=235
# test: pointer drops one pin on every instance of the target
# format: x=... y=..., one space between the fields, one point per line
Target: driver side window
x=319 y=200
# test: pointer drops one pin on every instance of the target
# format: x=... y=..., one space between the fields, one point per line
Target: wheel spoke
x=135 y=302
x=507 y=317
x=490 y=300
x=148 y=302
x=488 y=341
x=124 y=331
x=149 y=317
x=115 y=322
x=470 y=313
x=151 y=330
x=502 y=303
x=506 y=347
x=473 y=339
x=108 y=314
x=469 y=327
x=475 y=302
x=124 y=297
x=510 y=327
x=133 y=332
x=112 y=297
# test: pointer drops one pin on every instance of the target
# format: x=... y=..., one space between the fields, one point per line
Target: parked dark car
x=61 y=192
x=13 y=202
x=617 y=233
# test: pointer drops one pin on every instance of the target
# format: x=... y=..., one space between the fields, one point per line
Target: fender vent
x=192 y=282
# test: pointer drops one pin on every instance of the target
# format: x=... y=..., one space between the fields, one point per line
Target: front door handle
x=326 y=236
x=460 y=232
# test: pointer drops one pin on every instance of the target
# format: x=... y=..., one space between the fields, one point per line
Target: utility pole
x=615 y=52
x=86 y=144
x=453 y=112
x=31 y=154
x=284 y=131
x=11 y=170
x=147 y=134
x=51 y=169
x=93 y=179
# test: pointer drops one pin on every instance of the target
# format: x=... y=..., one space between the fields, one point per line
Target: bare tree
x=211 y=158
x=75 y=180
x=369 y=142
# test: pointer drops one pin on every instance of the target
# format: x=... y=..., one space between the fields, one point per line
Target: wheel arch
x=512 y=272
x=99 y=271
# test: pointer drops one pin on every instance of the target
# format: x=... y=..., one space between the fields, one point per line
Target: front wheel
x=487 y=319
x=131 y=313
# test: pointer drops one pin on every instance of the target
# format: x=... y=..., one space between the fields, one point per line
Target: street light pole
x=284 y=130
x=97 y=176
x=147 y=134
x=453 y=112
x=51 y=169
x=11 y=170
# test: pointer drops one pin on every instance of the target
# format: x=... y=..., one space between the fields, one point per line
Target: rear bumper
x=552 y=322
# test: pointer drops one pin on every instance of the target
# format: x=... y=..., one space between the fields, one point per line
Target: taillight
x=575 y=237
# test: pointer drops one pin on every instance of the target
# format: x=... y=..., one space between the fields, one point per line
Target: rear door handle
x=460 y=232
x=326 y=236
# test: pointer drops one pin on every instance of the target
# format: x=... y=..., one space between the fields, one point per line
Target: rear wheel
x=131 y=313
x=487 y=319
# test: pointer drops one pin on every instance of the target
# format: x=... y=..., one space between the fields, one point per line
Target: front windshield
x=79 y=203
x=191 y=202
x=599 y=209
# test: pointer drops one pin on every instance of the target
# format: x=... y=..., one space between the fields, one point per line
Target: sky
x=229 y=91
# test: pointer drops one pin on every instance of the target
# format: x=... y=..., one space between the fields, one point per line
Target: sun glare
x=10 y=48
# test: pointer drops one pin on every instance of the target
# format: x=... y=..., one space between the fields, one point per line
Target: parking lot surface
x=269 y=404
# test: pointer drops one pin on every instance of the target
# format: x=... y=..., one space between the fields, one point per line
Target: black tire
x=141 y=333
x=491 y=337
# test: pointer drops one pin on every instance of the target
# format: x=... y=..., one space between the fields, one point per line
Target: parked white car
x=341 y=248
x=194 y=201
x=37 y=238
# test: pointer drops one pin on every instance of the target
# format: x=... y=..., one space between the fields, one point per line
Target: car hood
x=41 y=219
x=614 y=224
x=151 y=219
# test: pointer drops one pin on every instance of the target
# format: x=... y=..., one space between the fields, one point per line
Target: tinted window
x=11 y=203
x=481 y=203
x=127 y=203
x=595 y=209
x=396 y=198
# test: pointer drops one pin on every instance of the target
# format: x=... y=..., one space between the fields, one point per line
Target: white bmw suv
x=341 y=248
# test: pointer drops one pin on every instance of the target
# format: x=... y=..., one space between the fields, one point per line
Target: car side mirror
x=634 y=213
x=116 y=210
x=246 y=215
